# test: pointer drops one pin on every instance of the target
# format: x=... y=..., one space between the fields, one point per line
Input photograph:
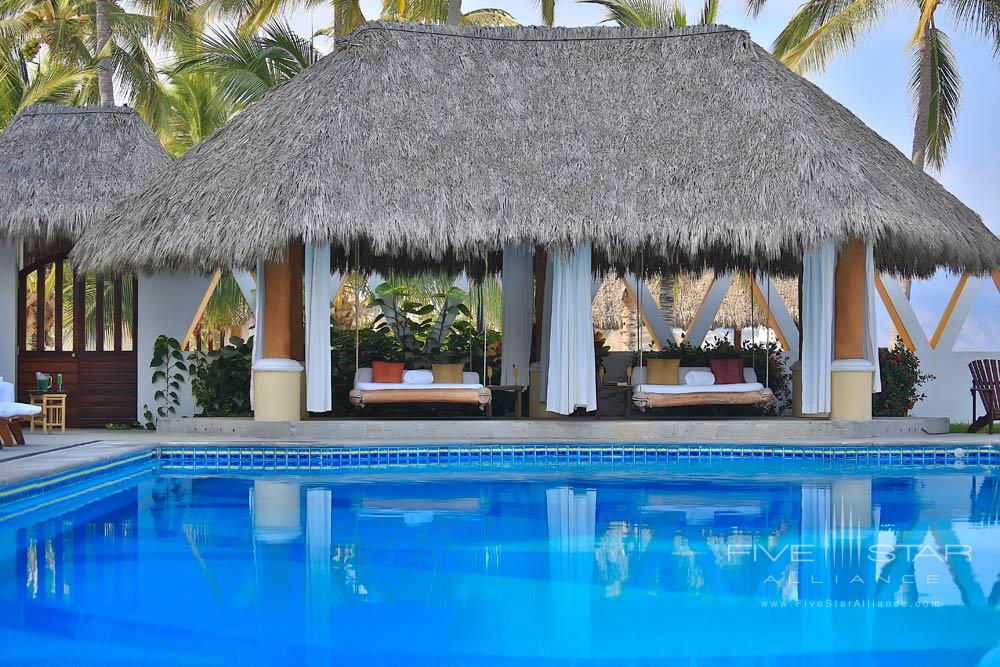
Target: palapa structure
x=61 y=168
x=421 y=146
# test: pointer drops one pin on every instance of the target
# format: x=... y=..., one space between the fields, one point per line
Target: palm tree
x=243 y=67
x=821 y=30
x=23 y=83
x=101 y=36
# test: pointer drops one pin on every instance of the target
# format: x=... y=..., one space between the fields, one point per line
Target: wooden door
x=81 y=327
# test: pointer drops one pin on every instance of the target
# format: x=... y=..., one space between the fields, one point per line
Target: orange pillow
x=727 y=371
x=390 y=372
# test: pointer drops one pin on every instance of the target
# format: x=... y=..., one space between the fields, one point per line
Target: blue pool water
x=687 y=563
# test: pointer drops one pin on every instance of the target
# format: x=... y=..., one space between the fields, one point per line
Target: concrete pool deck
x=50 y=454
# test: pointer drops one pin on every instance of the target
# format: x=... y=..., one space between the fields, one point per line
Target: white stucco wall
x=948 y=394
x=8 y=310
x=168 y=304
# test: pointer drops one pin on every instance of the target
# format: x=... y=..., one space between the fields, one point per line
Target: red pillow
x=727 y=371
x=388 y=371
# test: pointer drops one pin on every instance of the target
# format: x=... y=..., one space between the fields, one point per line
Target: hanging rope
x=767 y=301
x=753 y=321
x=638 y=303
x=357 y=308
x=482 y=310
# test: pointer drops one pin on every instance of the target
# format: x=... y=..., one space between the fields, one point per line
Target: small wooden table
x=53 y=414
x=516 y=389
x=613 y=387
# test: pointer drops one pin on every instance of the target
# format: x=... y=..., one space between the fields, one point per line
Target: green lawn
x=960 y=427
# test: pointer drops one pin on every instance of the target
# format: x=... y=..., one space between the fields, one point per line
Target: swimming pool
x=712 y=561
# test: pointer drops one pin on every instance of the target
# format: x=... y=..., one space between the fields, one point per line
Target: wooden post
x=849 y=302
x=284 y=333
x=278 y=387
x=851 y=375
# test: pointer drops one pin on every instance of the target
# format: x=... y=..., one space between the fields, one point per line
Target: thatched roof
x=61 y=168
x=425 y=144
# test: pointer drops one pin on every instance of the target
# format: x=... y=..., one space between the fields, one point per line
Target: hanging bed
x=748 y=392
x=469 y=392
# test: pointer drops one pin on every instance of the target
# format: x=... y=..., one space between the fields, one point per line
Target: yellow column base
x=277 y=510
x=851 y=390
x=797 y=396
x=536 y=407
x=278 y=390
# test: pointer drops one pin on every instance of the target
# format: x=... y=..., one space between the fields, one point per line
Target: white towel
x=418 y=377
x=700 y=378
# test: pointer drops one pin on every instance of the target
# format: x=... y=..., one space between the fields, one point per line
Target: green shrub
x=901 y=381
x=220 y=380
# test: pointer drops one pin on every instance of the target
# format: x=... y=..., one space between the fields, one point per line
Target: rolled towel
x=699 y=378
x=418 y=377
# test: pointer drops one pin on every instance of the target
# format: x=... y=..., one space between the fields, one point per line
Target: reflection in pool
x=703 y=564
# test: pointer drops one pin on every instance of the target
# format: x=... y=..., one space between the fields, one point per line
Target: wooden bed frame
x=644 y=400
x=480 y=396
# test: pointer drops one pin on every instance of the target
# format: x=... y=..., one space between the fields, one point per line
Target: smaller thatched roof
x=62 y=167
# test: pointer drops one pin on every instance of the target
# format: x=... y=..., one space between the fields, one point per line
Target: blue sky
x=871 y=82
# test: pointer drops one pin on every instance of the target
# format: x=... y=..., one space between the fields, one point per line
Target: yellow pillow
x=663 y=371
x=447 y=373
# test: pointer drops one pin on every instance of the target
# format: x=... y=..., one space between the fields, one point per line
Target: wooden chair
x=986 y=383
x=10 y=432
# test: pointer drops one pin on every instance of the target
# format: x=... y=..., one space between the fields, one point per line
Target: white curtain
x=572 y=521
x=319 y=551
x=258 y=327
x=871 y=324
x=816 y=530
x=318 y=295
x=543 y=354
x=517 y=306
x=572 y=378
x=818 y=267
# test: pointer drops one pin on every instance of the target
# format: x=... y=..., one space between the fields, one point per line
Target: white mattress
x=699 y=389
x=381 y=386
x=18 y=410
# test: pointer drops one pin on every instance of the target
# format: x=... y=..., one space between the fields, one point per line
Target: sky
x=871 y=81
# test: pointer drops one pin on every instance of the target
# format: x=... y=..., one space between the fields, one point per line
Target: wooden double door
x=82 y=327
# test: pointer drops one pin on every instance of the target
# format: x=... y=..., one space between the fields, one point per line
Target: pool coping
x=98 y=460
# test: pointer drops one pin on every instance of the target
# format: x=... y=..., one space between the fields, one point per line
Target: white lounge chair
x=748 y=392
x=366 y=392
x=11 y=414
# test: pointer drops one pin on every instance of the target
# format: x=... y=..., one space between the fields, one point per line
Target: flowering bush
x=901 y=381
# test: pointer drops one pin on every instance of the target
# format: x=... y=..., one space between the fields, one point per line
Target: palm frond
x=811 y=41
x=247 y=66
x=709 y=12
x=927 y=9
x=980 y=16
x=489 y=16
x=642 y=13
x=945 y=94
x=548 y=8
